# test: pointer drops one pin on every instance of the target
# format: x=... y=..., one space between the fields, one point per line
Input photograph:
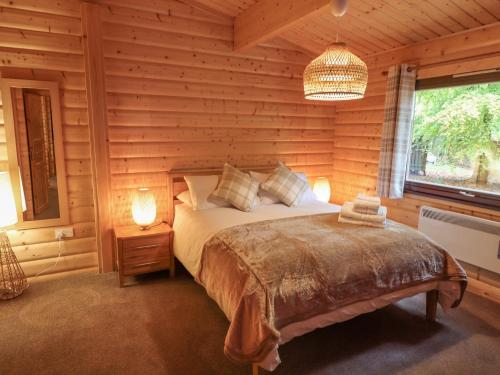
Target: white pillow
x=200 y=187
x=308 y=196
x=268 y=198
x=185 y=197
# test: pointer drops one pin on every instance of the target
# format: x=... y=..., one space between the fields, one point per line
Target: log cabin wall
x=358 y=125
x=42 y=40
x=179 y=97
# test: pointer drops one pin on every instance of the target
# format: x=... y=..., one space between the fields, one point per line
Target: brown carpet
x=87 y=325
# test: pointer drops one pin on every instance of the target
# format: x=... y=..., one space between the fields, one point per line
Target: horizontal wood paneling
x=42 y=40
x=358 y=124
x=179 y=97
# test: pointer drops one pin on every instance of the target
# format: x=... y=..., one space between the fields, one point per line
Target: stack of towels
x=364 y=210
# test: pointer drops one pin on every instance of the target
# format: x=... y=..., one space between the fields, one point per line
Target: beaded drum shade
x=337 y=74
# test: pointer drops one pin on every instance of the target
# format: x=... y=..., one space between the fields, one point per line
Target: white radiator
x=471 y=239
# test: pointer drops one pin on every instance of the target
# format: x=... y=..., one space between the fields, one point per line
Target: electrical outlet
x=62 y=233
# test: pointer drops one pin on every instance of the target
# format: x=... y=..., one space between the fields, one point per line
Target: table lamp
x=143 y=208
x=12 y=279
x=322 y=189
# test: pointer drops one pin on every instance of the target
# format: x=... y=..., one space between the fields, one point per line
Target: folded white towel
x=364 y=204
x=347 y=211
x=365 y=210
x=368 y=198
x=358 y=222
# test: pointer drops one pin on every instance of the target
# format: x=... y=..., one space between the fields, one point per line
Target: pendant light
x=337 y=74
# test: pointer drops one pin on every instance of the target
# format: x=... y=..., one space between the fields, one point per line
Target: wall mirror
x=35 y=154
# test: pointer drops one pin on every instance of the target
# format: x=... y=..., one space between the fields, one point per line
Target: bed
x=279 y=272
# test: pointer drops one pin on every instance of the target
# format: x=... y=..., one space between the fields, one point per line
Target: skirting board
x=485 y=290
x=62 y=275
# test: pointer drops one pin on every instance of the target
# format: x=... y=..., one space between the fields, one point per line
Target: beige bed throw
x=269 y=274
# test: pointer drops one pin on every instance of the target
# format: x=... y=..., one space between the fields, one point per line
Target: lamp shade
x=143 y=208
x=322 y=189
x=337 y=74
x=8 y=213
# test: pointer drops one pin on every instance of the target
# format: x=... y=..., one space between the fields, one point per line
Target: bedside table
x=143 y=251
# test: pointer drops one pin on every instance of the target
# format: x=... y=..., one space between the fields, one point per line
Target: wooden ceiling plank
x=376 y=11
x=267 y=18
x=464 y=16
x=407 y=20
x=449 y=14
x=349 y=27
x=316 y=36
x=323 y=38
x=476 y=11
x=485 y=39
x=324 y=28
x=421 y=15
x=492 y=6
x=374 y=28
x=374 y=24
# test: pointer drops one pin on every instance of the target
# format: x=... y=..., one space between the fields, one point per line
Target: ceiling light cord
x=338 y=28
x=338 y=8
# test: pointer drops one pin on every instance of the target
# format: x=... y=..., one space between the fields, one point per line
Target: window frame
x=451 y=193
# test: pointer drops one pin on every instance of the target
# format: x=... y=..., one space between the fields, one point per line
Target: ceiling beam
x=267 y=18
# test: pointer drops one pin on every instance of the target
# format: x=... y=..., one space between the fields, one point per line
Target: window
x=455 y=150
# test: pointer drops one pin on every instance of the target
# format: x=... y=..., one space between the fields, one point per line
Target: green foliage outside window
x=460 y=127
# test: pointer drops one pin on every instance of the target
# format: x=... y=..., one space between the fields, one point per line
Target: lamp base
x=13 y=282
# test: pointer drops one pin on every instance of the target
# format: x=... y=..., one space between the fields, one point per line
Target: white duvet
x=194 y=228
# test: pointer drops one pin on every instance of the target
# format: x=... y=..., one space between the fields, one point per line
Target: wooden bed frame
x=176 y=185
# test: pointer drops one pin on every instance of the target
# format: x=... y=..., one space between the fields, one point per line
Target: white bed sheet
x=194 y=228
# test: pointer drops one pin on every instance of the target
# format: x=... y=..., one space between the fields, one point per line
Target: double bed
x=279 y=272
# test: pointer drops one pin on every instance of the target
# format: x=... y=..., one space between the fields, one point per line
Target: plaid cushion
x=237 y=188
x=285 y=185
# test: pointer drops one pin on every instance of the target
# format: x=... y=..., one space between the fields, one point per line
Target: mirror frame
x=6 y=85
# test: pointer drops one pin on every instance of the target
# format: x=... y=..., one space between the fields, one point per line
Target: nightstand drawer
x=146 y=266
x=145 y=255
x=134 y=244
x=152 y=251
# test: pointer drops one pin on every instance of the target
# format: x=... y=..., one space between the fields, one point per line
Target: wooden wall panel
x=358 y=124
x=42 y=40
x=179 y=97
